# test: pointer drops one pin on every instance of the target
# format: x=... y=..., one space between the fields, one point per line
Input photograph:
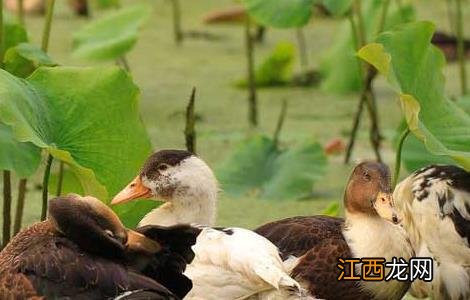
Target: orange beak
x=133 y=190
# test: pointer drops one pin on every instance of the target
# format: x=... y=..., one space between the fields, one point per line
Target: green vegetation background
x=166 y=73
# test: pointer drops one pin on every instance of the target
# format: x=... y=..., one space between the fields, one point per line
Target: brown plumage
x=83 y=252
x=319 y=241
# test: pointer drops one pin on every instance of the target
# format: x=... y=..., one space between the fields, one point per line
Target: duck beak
x=385 y=207
x=132 y=191
x=137 y=242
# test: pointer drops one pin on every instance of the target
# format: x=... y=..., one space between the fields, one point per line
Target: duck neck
x=199 y=209
x=187 y=209
x=372 y=236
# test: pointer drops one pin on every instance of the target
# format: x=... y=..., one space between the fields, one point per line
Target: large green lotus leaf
x=21 y=158
x=340 y=66
x=21 y=60
x=337 y=7
x=280 y=13
x=295 y=171
x=415 y=156
x=132 y=212
x=70 y=183
x=92 y=125
x=247 y=167
x=414 y=153
x=111 y=36
x=257 y=166
x=414 y=67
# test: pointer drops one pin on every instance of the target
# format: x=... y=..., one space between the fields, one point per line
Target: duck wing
x=232 y=263
x=295 y=236
x=168 y=265
x=318 y=243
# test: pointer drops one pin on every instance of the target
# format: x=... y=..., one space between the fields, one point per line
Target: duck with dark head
x=370 y=229
x=83 y=251
x=369 y=193
x=241 y=261
x=184 y=181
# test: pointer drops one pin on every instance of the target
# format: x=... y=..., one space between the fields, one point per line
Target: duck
x=435 y=204
x=229 y=263
x=83 y=251
x=370 y=229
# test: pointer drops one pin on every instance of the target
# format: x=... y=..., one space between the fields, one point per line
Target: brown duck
x=83 y=251
x=369 y=230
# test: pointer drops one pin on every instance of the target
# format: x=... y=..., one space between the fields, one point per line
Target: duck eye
x=367 y=176
x=162 y=167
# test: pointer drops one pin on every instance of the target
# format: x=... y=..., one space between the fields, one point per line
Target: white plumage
x=230 y=263
x=375 y=237
x=435 y=204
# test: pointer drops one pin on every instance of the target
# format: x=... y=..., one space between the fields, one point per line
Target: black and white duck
x=435 y=204
x=230 y=263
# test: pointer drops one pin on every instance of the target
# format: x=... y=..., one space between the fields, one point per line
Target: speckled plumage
x=435 y=204
x=454 y=179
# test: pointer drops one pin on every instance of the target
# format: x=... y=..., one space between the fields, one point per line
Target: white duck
x=230 y=263
x=435 y=205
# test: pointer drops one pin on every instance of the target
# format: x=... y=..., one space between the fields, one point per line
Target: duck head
x=369 y=192
x=96 y=228
x=171 y=175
